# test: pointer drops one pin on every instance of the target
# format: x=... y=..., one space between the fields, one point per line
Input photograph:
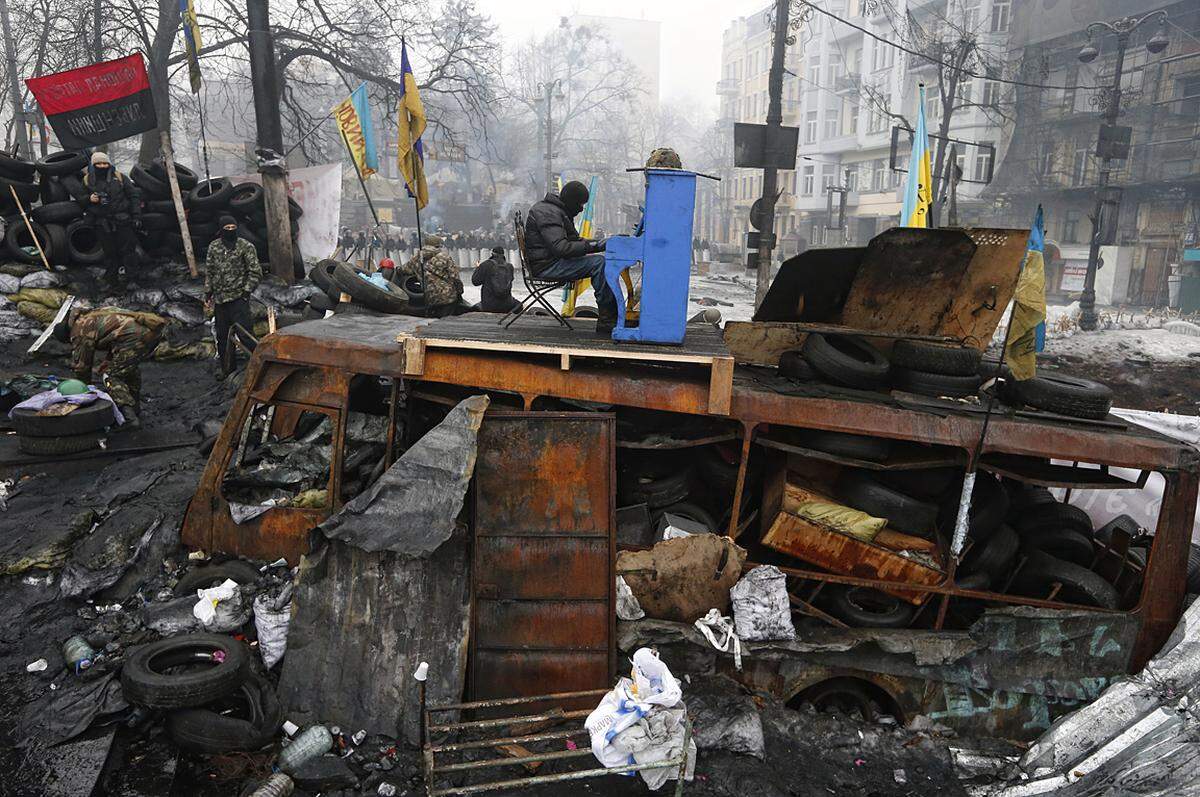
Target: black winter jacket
x=124 y=198
x=550 y=234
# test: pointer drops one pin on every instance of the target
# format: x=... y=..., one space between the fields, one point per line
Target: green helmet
x=71 y=387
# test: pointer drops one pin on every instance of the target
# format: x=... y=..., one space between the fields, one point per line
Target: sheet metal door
x=543 y=585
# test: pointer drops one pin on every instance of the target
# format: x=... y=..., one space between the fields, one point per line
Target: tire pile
x=1021 y=540
x=46 y=187
x=78 y=431
x=694 y=483
x=937 y=370
x=335 y=277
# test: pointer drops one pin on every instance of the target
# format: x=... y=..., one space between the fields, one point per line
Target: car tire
x=863 y=607
x=1065 y=544
x=851 y=446
x=51 y=189
x=57 y=212
x=1193 y=569
x=209 y=730
x=165 y=206
x=211 y=575
x=60 y=446
x=28 y=193
x=186 y=178
x=846 y=360
x=936 y=385
x=60 y=164
x=206 y=230
x=1079 y=585
x=83 y=243
x=159 y=221
x=153 y=187
x=792 y=365
x=321 y=275
x=657 y=479
x=246 y=198
x=994 y=555
x=928 y=484
x=16 y=168
x=146 y=682
x=1064 y=395
x=258 y=242
x=346 y=278
x=903 y=513
x=16 y=233
x=58 y=254
x=989 y=507
x=687 y=510
x=294 y=209
x=1023 y=497
x=211 y=194
x=1047 y=518
x=716 y=472
x=934 y=358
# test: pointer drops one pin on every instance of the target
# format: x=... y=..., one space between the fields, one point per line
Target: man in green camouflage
x=443 y=288
x=123 y=338
x=232 y=272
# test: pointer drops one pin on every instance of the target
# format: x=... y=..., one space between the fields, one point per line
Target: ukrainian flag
x=1027 y=330
x=411 y=124
x=918 y=192
x=353 y=116
x=191 y=41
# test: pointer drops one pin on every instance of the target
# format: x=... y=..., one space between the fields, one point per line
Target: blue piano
x=664 y=248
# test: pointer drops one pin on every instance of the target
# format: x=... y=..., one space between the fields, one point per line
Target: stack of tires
x=1061 y=395
x=933 y=369
x=44 y=190
x=160 y=221
x=670 y=482
x=215 y=702
x=78 y=431
x=336 y=277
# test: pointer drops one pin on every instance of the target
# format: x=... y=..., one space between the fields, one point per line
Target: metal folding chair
x=538 y=288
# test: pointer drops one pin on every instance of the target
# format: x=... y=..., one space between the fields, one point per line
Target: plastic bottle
x=311 y=743
x=78 y=653
x=278 y=785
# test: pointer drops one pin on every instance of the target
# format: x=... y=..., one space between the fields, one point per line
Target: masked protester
x=113 y=204
x=233 y=271
x=443 y=288
x=495 y=278
x=556 y=251
x=122 y=339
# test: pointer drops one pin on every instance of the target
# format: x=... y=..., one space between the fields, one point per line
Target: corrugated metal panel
x=543 y=618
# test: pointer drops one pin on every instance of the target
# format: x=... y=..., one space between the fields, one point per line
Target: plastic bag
x=761 y=609
x=219 y=608
x=272 y=615
x=627 y=703
x=628 y=607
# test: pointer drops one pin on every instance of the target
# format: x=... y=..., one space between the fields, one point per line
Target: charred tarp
x=387 y=590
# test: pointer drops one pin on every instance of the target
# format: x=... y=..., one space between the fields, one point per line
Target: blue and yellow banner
x=191 y=41
x=1027 y=333
x=354 y=121
x=411 y=123
x=918 y=191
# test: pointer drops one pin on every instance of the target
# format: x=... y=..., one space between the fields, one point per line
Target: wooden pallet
x=545 y=337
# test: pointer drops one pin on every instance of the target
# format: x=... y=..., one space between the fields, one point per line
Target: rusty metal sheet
x=953 y=282
x=542 y=578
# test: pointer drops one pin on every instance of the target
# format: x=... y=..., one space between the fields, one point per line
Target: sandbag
x=272 y=615
x=761 y=609
x=39 y=279
x=38 y=312
x=681 y=579
x=50 y=297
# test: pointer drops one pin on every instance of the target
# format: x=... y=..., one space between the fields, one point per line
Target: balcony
x=728 y=87
x=847 y=84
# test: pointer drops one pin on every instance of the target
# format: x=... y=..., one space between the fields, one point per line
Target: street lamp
x=1110 y=102
x=550 y=91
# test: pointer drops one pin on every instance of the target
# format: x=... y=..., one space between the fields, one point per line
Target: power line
x=933 y=60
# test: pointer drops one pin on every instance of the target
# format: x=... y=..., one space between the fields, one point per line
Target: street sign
x=1113 y=142
x=760 y=147
x=754 y=240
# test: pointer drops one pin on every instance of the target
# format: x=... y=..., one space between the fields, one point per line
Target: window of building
x=833 y=119
x=983 y=163
x=810 y=127
x=879 y=175
x=814 y=70
x=970 y=14
x=1081 y=166
x=965 y=90
x=852 y=120
x=883 y=56
x=960 y=160
x=1045 y=158
x=828 y=175
x=1070 y=232
x=833 y=69
x=1187 y=91
x=852 y=179
x=933 y=107
x=1001 y=14
x=807 y=185
x=991 y=93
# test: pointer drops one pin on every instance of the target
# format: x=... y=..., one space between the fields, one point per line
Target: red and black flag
x=98 y=103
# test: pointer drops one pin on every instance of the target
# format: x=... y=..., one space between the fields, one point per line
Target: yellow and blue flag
x=411 y=124
x=1027 y=333
x=571 y=293
x=918 y=191
x=353 y=116
x=191 y=41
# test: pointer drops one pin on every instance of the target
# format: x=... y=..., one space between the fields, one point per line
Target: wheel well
x=849 y=689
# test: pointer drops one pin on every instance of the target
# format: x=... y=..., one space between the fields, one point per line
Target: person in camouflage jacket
x=443 y=288
x=232 y=271
x=122 y=338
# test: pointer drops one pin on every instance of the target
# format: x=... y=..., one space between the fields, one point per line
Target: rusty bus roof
x=369 y=344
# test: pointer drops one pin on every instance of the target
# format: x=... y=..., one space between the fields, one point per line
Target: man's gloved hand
x=597 y=246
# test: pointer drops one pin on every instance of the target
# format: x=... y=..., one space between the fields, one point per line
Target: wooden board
x=538 y=336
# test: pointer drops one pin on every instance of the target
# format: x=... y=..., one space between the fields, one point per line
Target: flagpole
x=311 y=130
x=361 y=181
x=203 y=136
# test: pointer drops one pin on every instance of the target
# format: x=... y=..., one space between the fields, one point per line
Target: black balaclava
x=227 y=235
x=574 y=196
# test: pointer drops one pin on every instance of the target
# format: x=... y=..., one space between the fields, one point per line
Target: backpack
x=499 y=279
